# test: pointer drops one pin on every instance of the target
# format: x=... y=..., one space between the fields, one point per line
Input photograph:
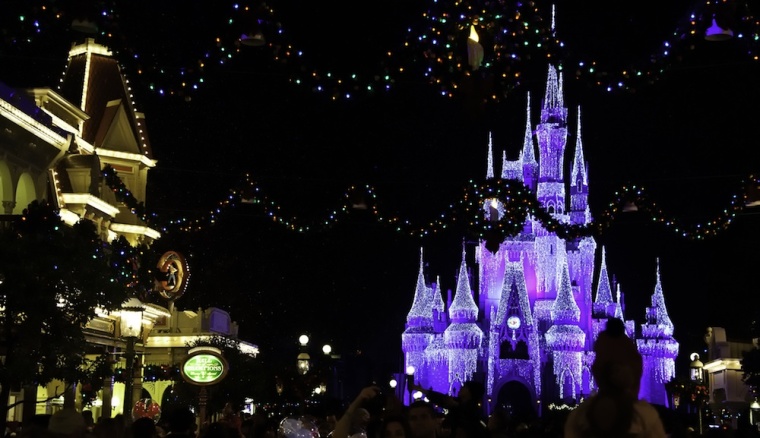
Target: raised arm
x=343 y=426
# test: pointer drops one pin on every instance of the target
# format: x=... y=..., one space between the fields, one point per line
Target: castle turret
x=463 y=337
x=511 y=169
x=579 y=209
x=658 y=348
x=419 y=323
x=566 y=340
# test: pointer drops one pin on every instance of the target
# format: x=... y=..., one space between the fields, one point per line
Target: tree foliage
x=54 y=277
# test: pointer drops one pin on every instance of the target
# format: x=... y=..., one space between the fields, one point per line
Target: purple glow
x=531 y=318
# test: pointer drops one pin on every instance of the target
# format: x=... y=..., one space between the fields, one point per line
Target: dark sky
x=689 y=138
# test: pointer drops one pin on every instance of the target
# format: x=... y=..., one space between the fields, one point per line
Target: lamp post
x=753 y=407
x=130 y=325
x=696 y=371
x=303 y=359
x=410 y=381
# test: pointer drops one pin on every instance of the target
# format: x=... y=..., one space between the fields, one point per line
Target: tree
x=54 y=277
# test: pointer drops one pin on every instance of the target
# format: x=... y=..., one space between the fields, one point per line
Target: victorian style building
x=84 y=147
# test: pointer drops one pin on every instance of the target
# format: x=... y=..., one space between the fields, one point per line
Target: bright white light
x=326 y=349
x=410 y=370
x=303 y=339
x=393 y=383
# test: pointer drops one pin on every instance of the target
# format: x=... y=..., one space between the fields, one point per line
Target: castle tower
x=566 y=340
x=463 y=338
x=511 y=169
x=658 y=348
x=552 y=139
x=550 y=191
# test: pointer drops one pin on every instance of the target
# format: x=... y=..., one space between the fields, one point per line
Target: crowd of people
x=614 y=411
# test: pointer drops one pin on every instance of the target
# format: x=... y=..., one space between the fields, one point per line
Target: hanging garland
x=151 y=373
x=513 y=203
x=123 y=194
x=437 y=48
x=511 y=200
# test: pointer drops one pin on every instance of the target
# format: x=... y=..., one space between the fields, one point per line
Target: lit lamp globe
x=696 y=368
x=393 y=383
x=326 y=349
x=302 y=362
x=131 y=315
x=303 y=340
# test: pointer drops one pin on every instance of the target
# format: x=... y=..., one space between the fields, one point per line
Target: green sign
x=204 y=368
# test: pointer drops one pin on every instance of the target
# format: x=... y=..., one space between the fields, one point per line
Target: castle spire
x=578 y=173
x=603 y=291
x=564 y=309
x=528 y=154
x=657 y=314
x=514 y=294
x=552 y=110
x=422 y=305
x=438 y=298
x=618 y=304
x=463 y=308
x=489 y=170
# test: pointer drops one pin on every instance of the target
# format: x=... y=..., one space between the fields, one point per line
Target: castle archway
x=515 y=398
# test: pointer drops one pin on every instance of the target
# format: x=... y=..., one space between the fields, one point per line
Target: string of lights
x=440 y=47
x=518 y=203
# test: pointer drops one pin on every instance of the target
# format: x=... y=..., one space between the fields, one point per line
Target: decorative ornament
x=474 y=49
x=172 y=277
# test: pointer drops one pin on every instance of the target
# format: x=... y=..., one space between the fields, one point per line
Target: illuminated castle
x=529 y=331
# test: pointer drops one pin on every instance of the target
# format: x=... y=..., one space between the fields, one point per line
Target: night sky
x=689 y=138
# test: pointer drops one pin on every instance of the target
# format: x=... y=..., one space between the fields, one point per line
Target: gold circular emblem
x=171 y=281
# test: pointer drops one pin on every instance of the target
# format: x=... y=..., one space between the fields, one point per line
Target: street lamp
x=130 y=325
x=302 y=361
x=753 y=408
x=410 y=381
x=696 y=372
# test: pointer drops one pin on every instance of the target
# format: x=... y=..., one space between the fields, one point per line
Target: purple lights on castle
x=528 y=332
